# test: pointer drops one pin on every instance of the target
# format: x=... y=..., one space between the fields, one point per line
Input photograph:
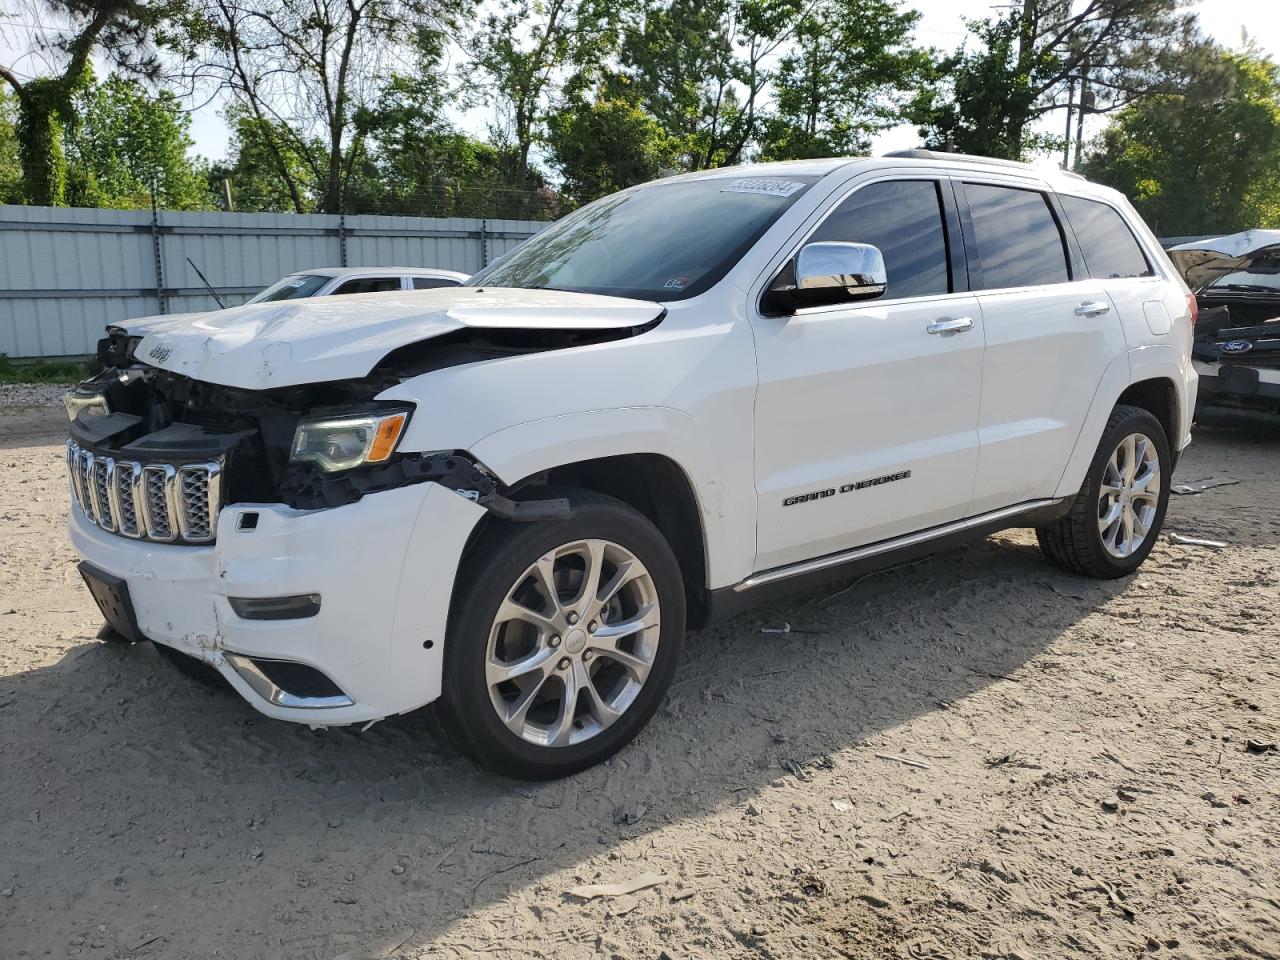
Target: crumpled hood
x=139 y=326
x=266 y=345
x=1203 y=261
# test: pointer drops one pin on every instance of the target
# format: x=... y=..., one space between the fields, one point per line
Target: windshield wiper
x=1249 y=288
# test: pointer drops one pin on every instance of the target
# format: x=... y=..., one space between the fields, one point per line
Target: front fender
x=524 y=449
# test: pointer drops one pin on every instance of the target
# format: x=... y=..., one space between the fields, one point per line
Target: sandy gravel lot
x=1078 y=780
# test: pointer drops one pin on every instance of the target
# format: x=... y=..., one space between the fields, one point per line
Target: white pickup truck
x=514 y=497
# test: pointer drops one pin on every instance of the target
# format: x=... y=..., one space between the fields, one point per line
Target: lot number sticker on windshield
x=773 y=188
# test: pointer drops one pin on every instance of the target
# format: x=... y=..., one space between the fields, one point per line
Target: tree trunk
x=39 y=134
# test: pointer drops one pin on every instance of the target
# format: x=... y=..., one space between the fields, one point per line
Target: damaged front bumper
x=383 y=568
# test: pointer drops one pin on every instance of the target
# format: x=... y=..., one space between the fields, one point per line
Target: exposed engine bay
x=134 y=412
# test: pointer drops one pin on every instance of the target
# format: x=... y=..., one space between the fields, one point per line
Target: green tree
x=606 y=144
x=1028 y=57
x=308 y=71
x=119 y=30
x=126 y=142
x=523 y=53
x=10 y=166
x=843 y=80
x=701 y=69
x=1205 y=161
x=264 y=165
x=416 y=162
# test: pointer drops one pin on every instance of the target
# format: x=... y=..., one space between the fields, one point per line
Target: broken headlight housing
x=89 y=404
x=346 y=441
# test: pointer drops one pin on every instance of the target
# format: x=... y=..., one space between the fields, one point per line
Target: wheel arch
x=1146 y=378
x=1159 y=397
x=659 y=488
x=656 y=459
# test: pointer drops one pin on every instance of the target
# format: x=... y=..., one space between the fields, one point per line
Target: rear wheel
x=1116 y=518
x=563 y=640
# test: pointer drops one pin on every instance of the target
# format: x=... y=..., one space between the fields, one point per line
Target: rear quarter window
x=1110 y=249
x=1018 y=239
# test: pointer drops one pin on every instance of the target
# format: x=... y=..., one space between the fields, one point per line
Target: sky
x=941 y=25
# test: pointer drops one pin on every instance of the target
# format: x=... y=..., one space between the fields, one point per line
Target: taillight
x=1193 y=307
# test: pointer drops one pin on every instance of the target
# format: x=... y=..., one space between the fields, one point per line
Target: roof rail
x=919 y=154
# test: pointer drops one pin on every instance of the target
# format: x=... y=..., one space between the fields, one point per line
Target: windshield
x=1261 y=276
x=665 y=241
x=291 y=288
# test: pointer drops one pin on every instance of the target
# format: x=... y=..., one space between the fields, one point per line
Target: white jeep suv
x=514 y=497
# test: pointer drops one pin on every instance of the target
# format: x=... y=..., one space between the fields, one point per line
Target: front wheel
x=563 y=639
x=1118 y=513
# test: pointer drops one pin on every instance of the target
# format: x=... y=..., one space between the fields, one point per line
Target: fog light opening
x=288 y=683
x=276 y=608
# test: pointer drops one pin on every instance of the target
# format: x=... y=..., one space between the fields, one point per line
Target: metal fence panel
x=65 y=273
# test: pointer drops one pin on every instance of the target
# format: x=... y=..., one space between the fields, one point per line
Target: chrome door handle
x=1095 y=309
x=949 y=328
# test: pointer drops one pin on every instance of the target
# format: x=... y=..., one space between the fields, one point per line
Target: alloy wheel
x=1129 y=495
x=573 y=643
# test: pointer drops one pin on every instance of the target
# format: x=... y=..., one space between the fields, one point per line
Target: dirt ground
x=996 y=759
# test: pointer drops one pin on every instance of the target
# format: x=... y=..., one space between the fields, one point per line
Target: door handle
x=1095 y=308
x=948 y=327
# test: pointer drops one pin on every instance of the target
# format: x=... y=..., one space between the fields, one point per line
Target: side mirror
x=829 y=272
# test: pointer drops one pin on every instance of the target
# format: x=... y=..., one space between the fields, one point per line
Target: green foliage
x=985 y=99
x=522 y=53
x=118 y=29
x=1207 y=161
x=259 y=151
x=10 y=165
x=843 y=80
x=607 y=144
x=126 y=141
x=42 y=371
x=42 y=108
x=309 y=74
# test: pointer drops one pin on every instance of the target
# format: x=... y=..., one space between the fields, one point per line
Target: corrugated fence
x=65 y=273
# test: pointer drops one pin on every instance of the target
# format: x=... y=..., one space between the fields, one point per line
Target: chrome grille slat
x=125 y=505
x=84 y=474
x=153 y=501
x=104 y=469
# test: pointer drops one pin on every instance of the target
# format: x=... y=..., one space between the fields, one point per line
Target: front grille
x=154 y=501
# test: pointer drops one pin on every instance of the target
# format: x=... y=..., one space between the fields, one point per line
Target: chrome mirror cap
x=856 y=268
x=831 y=271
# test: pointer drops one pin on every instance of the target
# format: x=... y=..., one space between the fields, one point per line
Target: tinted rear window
x=368 y=285
x=433 y=283
x=904 y=219
x=1109 y=247
x=1017 y=236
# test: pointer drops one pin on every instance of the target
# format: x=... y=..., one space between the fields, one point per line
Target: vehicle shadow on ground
x=283 y=842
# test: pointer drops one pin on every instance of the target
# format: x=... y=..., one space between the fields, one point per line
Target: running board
x=871 y=558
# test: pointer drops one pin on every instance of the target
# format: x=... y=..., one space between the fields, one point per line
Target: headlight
x=90 y=404
x=340 y=443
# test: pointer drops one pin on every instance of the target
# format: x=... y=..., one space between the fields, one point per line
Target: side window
x=1017 y=236
x=904 y=219
x=1109 y=247
x=368 y=285
x=431 y=283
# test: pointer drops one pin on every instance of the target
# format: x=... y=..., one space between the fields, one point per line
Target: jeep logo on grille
x=1235 y=346
x=160 y=353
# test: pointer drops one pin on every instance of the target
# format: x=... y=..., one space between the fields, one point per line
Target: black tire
x=488 y=573
x=190 y=667
x=1074 y=542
